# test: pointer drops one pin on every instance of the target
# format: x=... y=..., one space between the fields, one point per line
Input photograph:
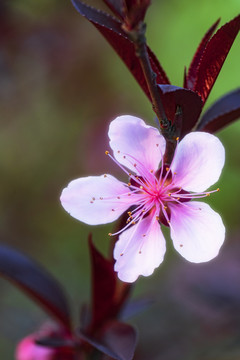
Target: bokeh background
x=60 y=86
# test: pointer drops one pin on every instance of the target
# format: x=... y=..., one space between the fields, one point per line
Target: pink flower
x=154 y=195
x=27 y=349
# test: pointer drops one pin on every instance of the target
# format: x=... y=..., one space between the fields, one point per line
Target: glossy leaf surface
x=221 y=113
x=36 y=282
x=190 y=103
x=191 y=77
x=214 y=56
x=111 y=29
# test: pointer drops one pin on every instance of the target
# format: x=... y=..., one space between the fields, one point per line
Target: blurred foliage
x=60 y=85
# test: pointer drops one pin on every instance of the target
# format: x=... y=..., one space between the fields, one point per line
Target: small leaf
x=190 y=79
x=189 y=102
x=214 y=56
x=111 y=29
x=104 y=282
x=121 y=339
x=116 y=6
x=36 y=282
x=118 y=341
x=223 y=112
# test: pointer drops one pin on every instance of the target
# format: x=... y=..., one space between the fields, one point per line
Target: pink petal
x=136 y=254
x=130 y=135
x=28 y=350
x=96 y=199
x=198 y=161
x=197 y=231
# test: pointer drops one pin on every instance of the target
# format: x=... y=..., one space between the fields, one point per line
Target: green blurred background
x=60 y=86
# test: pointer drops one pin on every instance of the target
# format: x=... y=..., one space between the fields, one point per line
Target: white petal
x=139 y=250
x=197 y=231
x=198 y=161
x=94 y=199
x=130 y=135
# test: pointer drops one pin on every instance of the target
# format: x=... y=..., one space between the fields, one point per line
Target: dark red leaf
x=116 y=6
x=214 y=56
x=104 y=282
x=135 y=11
x=111 y=29
x=118 y=341
x=36 y=282
x=221 y=113
x=189 y=102
x=191 y=77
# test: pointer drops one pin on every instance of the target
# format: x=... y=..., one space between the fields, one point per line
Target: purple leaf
x=111 y=29
x=117 y=341
x=221 y=113
x=116 y=6
x=36 y=282
x=214 y=56
x=189 y=101
x=191 y=77
x=104 y=282
x=121 y=339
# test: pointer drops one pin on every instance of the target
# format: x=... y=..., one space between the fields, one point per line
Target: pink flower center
x=152 y=192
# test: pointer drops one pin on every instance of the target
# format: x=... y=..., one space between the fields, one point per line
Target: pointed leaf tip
x=222 y=113
x=213 y=57
x=35 y=282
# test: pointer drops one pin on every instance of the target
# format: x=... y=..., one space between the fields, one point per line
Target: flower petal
x=197 y=231
x=198 y=161
x=96 y=199
x=130 y=135
x=139 y=250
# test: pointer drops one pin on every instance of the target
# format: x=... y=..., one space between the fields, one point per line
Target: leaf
x=104 y=282
x=118 y=341
x=122 y=339
x=36 y=282
x=189 y=102
x=116 y=6
x=111 y=29
x=223 y=112
x=191 y=77
x=214 y=56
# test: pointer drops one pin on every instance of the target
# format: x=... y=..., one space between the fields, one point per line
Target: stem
x=139 y=40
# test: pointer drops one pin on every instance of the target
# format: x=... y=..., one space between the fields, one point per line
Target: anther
x=157 y=218
x=139 y=252
x=129 y=213
x=107 y=152
x=177 y=138
x=165 y=207
x=167 y=168
x=133 y=222
x=105 y=175
x=129 y=194
x=129 y=184
x=143 y=235
x=151 y=171
x=157 y=145
x=118 y=151
x=93 y=198
x=218 y=189
x=109 y=234
x=121 y=254
x=129 y=174
x=124 y=157
x=101 y=198
x=113 y=209
x=135 y=165
x=118 y=197
x=141 y=187
x=181 y=245
x=91 y=202
x=207 y=194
